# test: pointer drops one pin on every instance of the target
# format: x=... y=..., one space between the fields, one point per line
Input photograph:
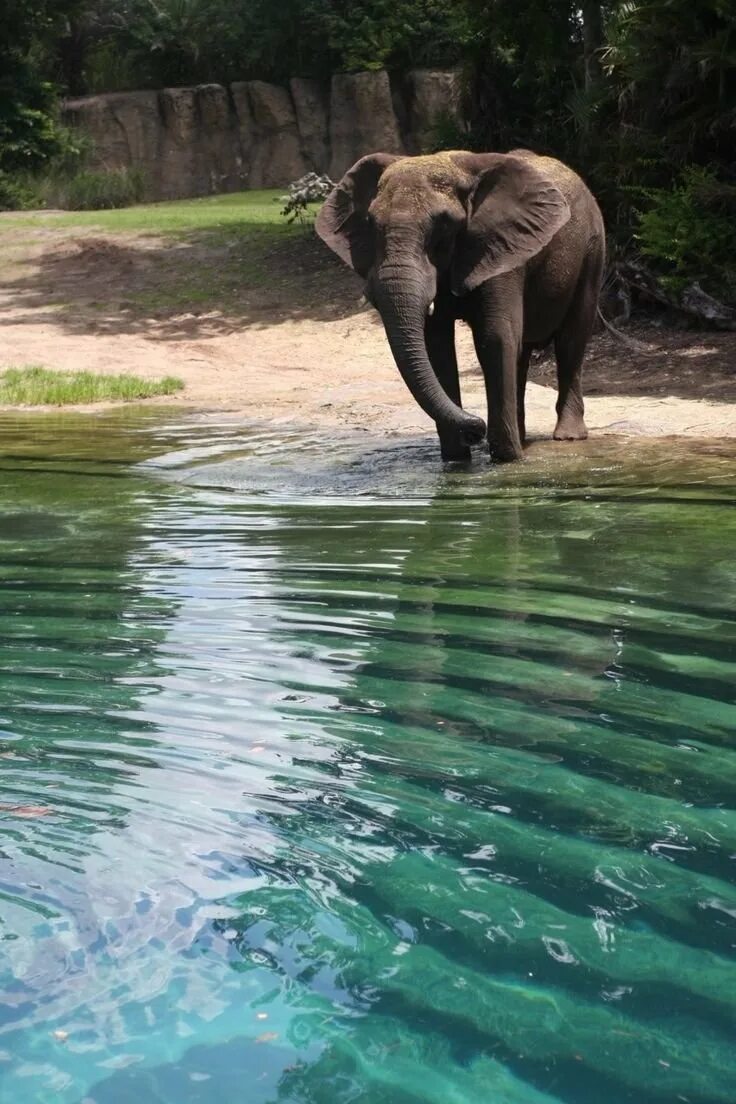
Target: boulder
x=433 y=95
x=277 y=156
x=124 y=129
x=200 y=148
x=179 y=170
x=362 y=119
x=311 y=107
x=92 y=117
x=400 y=102
x=219 y=164
x=246 y=129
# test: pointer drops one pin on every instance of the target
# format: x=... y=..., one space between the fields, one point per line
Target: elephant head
x=407 y=223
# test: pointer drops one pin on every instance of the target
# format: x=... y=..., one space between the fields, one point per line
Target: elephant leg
x=439 y=334
x=570 y=344
x=497 y=328
x=521 y=375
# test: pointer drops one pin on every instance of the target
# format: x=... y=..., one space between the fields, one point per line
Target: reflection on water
x=329 y=776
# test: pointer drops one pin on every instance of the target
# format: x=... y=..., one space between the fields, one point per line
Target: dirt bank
x=296 y=346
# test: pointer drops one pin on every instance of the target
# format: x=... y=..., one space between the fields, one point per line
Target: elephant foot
x=570 y=427
x=505 y=452
x=455 y=453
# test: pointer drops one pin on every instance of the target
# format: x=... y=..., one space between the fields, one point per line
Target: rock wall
x=210 y=138
x=362 y=119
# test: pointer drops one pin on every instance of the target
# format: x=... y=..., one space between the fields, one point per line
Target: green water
x=327 y=776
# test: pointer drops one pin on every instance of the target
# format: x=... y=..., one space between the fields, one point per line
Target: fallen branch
x=698 y=303
x=631 y=342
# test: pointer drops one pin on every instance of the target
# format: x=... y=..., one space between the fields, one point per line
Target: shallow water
x=327 y=775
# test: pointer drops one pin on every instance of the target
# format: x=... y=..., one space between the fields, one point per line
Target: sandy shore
x=327 y=372
x=68 y=301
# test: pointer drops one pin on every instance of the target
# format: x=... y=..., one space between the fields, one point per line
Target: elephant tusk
x=430 y=309
x=362 y=302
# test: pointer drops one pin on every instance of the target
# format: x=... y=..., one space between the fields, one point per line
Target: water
x=327 y=776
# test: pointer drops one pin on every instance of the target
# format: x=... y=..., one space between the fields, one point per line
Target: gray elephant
x=513 y=244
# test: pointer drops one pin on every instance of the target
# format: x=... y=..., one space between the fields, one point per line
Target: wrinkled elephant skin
x=513 y=244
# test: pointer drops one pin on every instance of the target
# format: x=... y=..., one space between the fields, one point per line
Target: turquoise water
x=327 y=776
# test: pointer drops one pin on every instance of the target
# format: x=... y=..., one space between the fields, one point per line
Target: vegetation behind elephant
x=513 y=244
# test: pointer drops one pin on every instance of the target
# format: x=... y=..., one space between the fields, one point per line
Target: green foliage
x=689 y=232
x=33 y=385
x=396 y=34
x=29 y=135
x=174 y=42
x=86 y=190
x=28 y=132
x=527 y=60
x=448 y=134
x=65 y=182
x=673 y=65
x=16 y=193
x=139 y=43
x=275 y=41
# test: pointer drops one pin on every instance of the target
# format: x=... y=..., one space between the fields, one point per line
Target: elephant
x=511 y=243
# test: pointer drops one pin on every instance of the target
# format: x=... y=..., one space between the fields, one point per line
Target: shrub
x=29 y=130
x=87 y=190
x=23 y=185
x=449 y=133
x=65 y=181
x=308 y=189
x=689 y=232
x=16 y=192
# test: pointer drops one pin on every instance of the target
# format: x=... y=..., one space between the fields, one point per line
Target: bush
x=86 y=190
x=689 y=232
x=311 y=188
x=23 y=172
x=16 y=193
x=449 y=133
x=42 y=186
x=29 y=130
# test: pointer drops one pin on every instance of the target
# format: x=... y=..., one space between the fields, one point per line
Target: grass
x=33 y=385
x=215 y=249
x=220 y=212
x=93 y=191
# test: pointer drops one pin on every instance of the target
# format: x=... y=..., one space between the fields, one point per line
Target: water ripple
x=340 y=776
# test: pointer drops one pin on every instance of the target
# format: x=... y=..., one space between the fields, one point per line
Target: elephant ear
x=342 y=222
x=513 y=212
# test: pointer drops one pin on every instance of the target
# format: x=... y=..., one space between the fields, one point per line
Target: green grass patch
x=33 y=385
x=215 y=250
x=210 y=213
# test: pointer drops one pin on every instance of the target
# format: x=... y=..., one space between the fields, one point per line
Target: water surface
x=330 y=776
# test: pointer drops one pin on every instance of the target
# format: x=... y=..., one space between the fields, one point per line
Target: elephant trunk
x=404 y=304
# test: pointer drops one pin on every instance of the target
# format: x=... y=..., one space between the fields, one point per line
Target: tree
x=28 y=134
x=672 y=64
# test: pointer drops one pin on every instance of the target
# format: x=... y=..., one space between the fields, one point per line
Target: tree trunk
x=72 y=56
x=592 y=41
